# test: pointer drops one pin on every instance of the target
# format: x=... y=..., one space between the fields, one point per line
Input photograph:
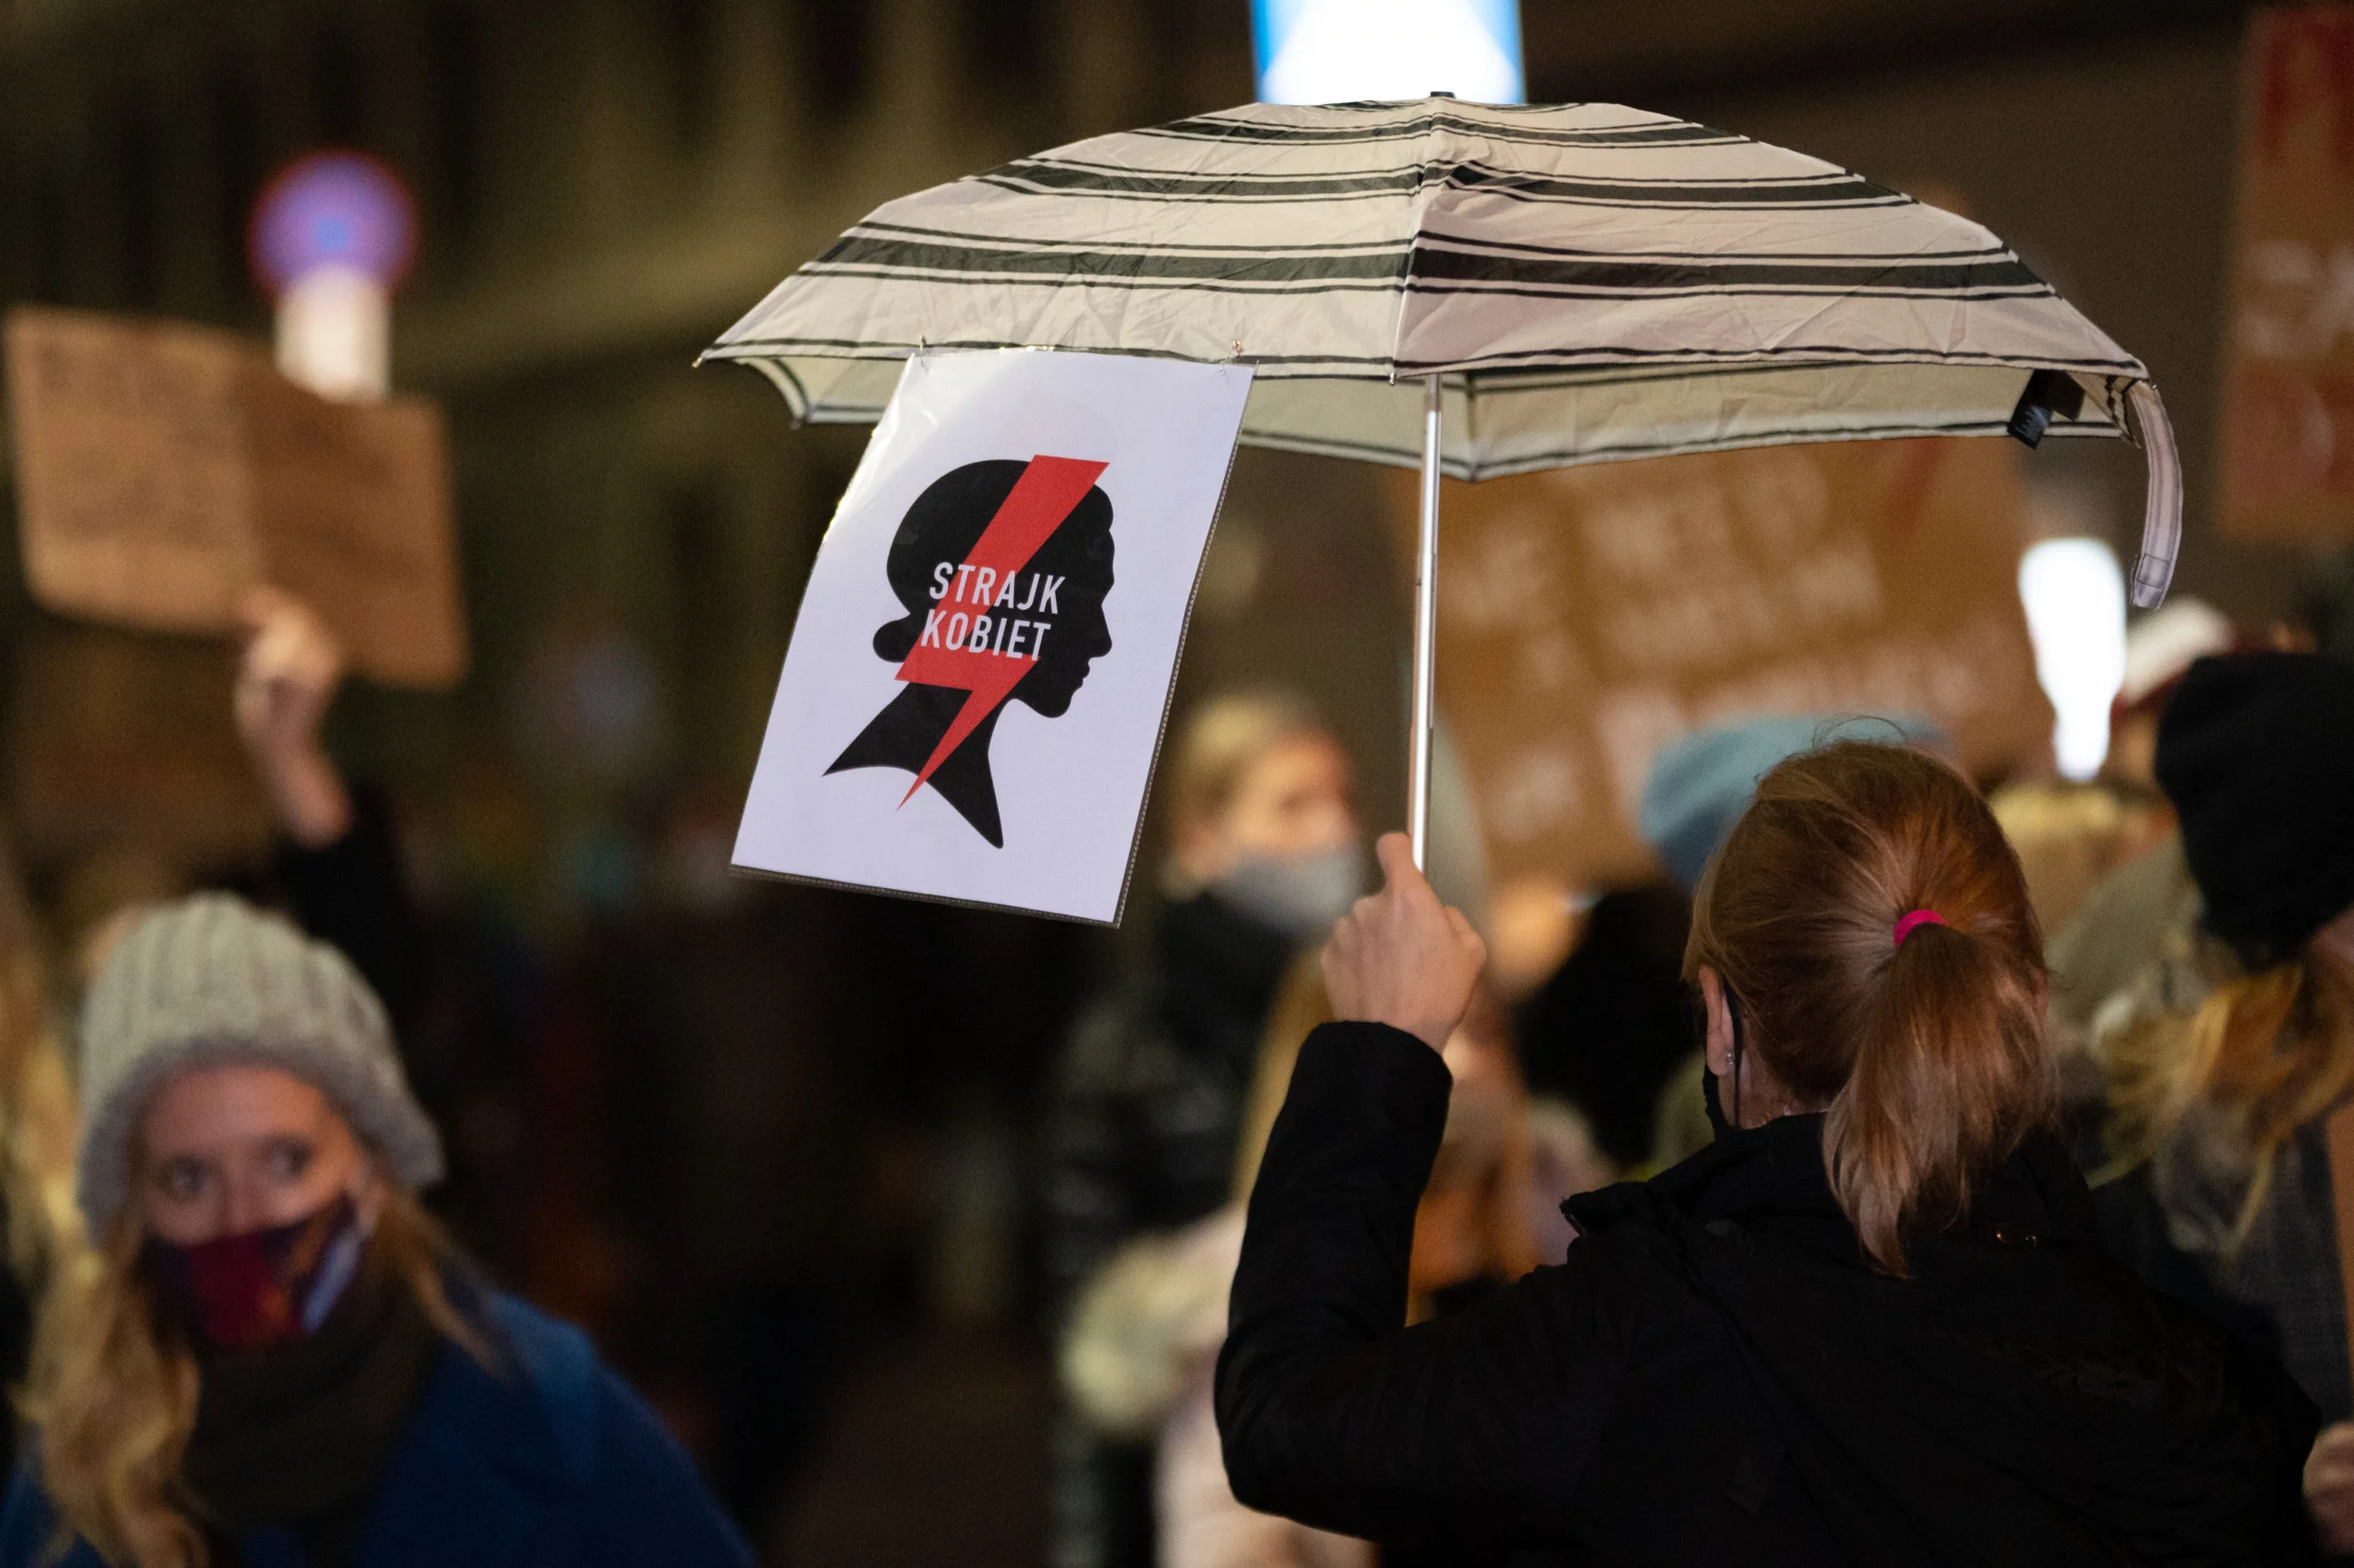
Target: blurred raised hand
x=287 y=676
x=1401 y=957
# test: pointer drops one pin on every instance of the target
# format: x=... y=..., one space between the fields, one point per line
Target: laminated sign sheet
x=977 y=683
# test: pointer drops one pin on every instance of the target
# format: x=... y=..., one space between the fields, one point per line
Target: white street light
x=1342 y=51
x=2074 y=595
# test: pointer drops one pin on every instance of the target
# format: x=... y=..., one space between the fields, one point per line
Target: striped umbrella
x=1476 y=290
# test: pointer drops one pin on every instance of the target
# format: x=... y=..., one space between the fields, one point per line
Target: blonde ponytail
x=2272 y=1050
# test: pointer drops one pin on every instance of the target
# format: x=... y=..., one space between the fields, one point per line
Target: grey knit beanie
x=212 y=982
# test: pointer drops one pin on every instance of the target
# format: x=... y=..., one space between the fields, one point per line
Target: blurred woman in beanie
x=2229 y=1053
x=272 y=1356
x=1868 y=1324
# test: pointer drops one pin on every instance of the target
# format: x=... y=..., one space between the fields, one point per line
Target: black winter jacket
x=1714 y=1374
x=1149 y=1099
x=1148 y=1104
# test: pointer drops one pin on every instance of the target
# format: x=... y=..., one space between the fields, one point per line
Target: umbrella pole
x=1426 y=630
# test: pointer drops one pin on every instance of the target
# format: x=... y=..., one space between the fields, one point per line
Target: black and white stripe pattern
x=1590 y=282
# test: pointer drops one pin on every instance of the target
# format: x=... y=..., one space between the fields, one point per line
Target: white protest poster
x=976 y=684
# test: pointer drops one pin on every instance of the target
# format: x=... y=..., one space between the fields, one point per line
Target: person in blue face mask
x=272 y=1355
x=1264 y=854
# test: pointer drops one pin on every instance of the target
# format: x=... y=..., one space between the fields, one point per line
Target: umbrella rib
x=1143 y=245
x=1482 y=246
x=1658 y=133
x=1241 y=287
x=1424 y=172
x=1481 y=290
x=1255 y=287
x=1816 y=353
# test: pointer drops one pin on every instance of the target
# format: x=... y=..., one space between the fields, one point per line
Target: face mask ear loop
x=1733 y=1011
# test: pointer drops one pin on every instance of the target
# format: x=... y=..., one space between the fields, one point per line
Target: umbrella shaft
x=1426 y=630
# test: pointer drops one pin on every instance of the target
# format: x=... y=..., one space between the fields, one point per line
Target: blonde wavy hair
x=113 y=1386
x=2272 y=1050
x=38 y=1120
x=38 y=1124
x=37 y=1116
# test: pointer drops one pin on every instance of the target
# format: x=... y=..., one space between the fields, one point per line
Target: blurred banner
x=2288 y=402
x=161 y=469
x=974 y=692
x=1589 y=615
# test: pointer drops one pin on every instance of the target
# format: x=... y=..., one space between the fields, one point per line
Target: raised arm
x=1330 y=1411
x=286 y=678
x=335 y=856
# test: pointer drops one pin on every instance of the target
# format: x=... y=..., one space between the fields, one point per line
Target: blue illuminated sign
x=1339 y=51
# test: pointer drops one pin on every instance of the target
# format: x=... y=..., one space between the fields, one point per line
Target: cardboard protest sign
x=2288 y=403
x=1587 y=616
x=352 y=516
x=164 y=468
x=976 y=684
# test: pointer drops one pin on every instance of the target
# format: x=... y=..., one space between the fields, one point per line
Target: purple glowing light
x=331 y=209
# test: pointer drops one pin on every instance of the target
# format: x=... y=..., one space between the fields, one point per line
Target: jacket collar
x=1773 y=1177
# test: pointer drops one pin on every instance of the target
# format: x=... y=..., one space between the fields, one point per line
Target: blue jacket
x=554 y=1465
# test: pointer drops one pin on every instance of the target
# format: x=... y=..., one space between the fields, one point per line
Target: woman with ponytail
x=1870 y=1323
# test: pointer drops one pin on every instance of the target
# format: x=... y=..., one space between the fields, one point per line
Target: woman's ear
x=1718 y=1044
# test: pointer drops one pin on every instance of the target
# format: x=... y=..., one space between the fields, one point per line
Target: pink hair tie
x=1912 y=920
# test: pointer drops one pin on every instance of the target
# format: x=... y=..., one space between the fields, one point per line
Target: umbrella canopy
x=1588 y=282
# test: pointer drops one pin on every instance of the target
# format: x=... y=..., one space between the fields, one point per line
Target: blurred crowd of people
x=242 y=1332
x=239 y=1335
x=644 y=1115
x=2197 y=901
x=1162 y=1105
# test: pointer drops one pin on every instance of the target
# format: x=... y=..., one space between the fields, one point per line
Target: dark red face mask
x=259 y=1288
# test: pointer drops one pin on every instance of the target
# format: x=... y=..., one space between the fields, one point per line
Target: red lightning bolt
x=1049 y=488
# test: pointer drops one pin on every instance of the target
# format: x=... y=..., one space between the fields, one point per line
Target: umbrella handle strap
x=2161 y=517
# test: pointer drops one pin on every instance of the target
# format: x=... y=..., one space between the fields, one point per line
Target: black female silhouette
x=1050 y=608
